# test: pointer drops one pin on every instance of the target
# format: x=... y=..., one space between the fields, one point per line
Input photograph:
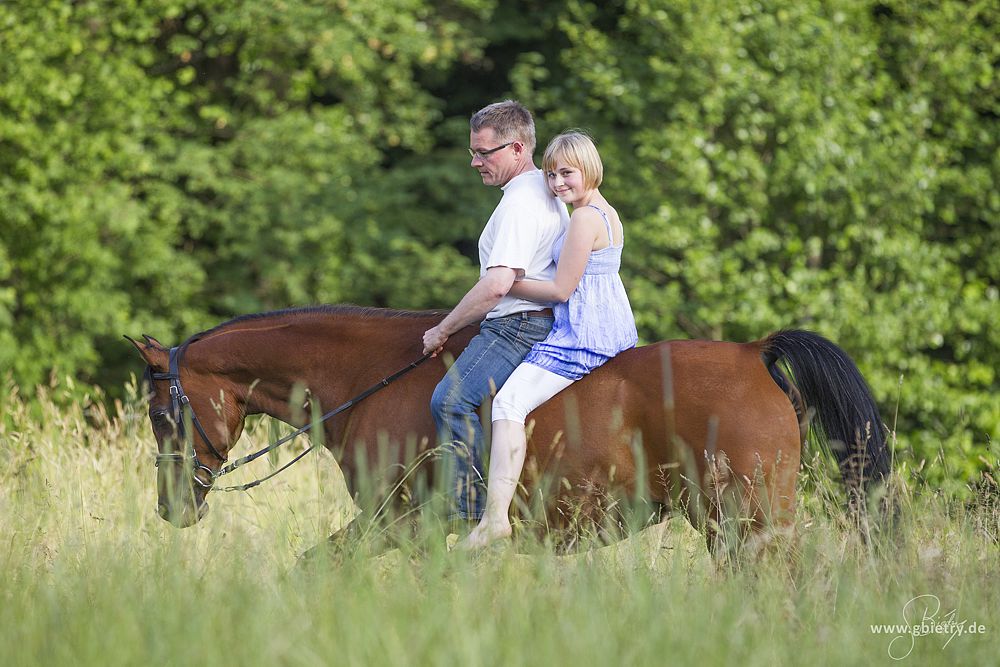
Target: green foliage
x=169 y=164
x=829 y=164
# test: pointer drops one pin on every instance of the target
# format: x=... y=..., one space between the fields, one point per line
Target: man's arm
x=473 y=307
x=585 y=230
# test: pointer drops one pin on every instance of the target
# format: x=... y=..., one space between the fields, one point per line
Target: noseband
x=179 y=402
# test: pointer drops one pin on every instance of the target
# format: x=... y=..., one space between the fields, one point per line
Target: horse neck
x=331 y=355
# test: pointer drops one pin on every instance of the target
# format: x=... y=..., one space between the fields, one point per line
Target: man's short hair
x=576 y=149
x=509 y=120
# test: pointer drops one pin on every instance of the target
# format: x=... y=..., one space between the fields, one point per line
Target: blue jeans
x=478 y=372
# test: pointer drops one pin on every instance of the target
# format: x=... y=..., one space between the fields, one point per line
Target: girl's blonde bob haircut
x=576 y=149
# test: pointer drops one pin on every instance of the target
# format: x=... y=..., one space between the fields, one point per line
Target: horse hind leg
x=720 y=507
x=750 y=511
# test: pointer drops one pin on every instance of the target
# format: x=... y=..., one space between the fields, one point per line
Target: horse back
x=678 y=403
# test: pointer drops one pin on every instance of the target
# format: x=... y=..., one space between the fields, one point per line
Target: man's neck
x=528 y=166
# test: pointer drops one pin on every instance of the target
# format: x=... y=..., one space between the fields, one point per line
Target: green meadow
x=92 y=576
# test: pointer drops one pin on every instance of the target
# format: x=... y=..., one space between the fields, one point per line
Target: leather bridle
x=178 y=402
x=180 y=407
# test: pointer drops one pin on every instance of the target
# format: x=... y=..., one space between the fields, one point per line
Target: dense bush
x=831 y=165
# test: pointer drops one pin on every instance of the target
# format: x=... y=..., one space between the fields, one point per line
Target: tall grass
x=90 y=574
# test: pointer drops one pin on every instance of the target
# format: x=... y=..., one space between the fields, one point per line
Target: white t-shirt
x=520 y=235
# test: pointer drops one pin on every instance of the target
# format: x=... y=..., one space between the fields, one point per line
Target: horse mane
x=361 y=312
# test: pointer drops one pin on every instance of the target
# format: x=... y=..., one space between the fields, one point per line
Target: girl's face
x=566 y=182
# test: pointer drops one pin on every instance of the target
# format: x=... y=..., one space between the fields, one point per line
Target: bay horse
x=690 y=421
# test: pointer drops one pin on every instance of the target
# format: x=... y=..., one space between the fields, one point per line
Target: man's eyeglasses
x=482 y=155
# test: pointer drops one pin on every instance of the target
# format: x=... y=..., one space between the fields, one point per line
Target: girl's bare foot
x=484 y=534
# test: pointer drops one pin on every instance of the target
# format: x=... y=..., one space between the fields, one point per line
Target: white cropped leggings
x=527 y=387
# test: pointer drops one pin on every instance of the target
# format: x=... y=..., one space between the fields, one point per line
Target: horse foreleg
x=336 y=547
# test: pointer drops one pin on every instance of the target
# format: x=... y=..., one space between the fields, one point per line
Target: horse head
x=196 y=418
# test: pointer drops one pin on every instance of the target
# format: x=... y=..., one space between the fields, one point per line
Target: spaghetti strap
x=607 y=223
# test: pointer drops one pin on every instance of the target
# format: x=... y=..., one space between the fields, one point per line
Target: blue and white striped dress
x=596 y=323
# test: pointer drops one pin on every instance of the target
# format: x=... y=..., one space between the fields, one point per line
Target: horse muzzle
x=183 y=516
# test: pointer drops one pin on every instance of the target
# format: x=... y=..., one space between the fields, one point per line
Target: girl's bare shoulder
x=587 y=215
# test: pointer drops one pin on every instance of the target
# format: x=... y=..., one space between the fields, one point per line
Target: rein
x=179 y=400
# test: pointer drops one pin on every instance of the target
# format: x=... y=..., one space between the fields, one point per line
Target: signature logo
x=922 y=617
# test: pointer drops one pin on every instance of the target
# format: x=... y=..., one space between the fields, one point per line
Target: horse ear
x=152 y=352
x=153 y=342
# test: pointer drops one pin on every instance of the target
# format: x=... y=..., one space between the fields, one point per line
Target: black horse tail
x=831 y=396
